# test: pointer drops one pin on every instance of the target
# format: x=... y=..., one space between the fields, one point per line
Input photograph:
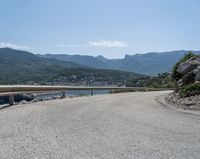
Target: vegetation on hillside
x=161 y=81
x=140 y=89
x=20 y=67
x=190 y=90
x=91 y=76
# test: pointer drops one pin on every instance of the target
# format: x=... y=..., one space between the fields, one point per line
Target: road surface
x=116 y=126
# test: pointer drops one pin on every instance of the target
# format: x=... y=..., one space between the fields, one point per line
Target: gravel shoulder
x=128 y=125
x=187 y=103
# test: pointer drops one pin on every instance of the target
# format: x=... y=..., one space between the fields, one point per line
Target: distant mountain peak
x=102 y=58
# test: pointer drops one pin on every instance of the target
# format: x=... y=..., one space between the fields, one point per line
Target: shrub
x=190 y=90
x=175 y=75
x=161 y=81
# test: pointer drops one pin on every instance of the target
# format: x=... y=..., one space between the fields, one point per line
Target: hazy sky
x=111 y=28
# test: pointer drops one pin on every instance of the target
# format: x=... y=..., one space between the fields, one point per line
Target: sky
x=111 y=28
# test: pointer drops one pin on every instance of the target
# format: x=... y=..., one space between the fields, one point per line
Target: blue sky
x=111 y=28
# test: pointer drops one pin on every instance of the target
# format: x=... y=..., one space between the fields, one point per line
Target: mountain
x=90 y=76
x=149 y=63
x=94 y=62
x=21 y=67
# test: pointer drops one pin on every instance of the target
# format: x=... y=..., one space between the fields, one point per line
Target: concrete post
x=11 y=99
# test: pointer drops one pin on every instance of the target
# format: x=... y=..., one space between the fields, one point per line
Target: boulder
x=189 y=78
x=197 y=73
x=188 y=65
x=179 y=84
x=190 y=72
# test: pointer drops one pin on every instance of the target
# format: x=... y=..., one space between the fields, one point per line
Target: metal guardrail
x=11 y=90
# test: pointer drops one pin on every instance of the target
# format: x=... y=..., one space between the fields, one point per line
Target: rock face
x=188 y=65
x=179 y=84
x=189 y=78
x=197 y=72
x=189 y=71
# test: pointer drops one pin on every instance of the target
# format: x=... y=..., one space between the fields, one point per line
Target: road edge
x=161 y=100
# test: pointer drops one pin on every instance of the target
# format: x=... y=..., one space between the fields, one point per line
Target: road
x=115 y=126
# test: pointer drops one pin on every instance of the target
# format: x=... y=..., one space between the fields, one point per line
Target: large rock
x=190 y=71
x=189 y=78
x=197 y=73
x=179 y=84
x=188 y=65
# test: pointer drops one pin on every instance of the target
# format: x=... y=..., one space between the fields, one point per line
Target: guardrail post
x=92 y=92
x=63 y=95
x=11 y=99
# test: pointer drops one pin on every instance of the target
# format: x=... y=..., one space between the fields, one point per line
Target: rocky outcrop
x=187 y=75
x=197 y=72
x=189 y=72
x=189 y=65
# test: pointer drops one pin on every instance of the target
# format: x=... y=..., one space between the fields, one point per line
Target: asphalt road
x=125 y=126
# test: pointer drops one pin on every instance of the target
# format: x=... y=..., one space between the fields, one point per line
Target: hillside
x=89 y=76
x=20 y=67
x=90 y=61
x=149 y=63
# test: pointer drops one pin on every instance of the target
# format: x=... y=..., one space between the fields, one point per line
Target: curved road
x=124 y=126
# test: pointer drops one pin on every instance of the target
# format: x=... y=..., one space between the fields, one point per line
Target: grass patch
x=83 y=95
x=190 y=90
x=141 y=89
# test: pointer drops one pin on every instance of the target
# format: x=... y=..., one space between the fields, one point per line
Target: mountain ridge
x=151 y=63
x=22 y=67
